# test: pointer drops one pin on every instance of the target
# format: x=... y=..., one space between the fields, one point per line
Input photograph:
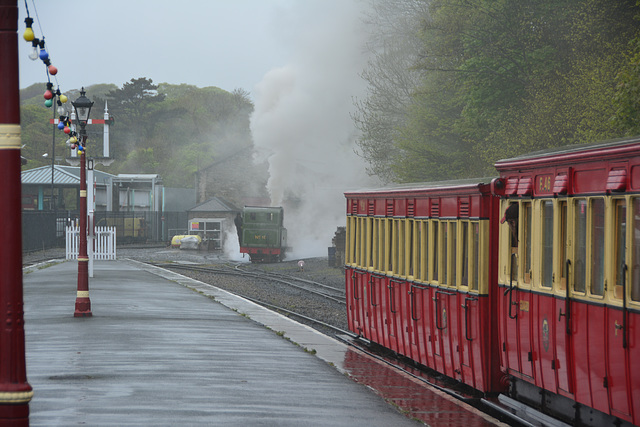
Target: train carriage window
x=435 y=250
x=620 y=209
x=375 y=244
x=475 y=255
x=400 y=247
x=547 y=243
x=511 y=217
x=563 y=244
x=369 y=241
x=417 y=244
x=453 y=255
x=527 y=240
x=464 y=277
x=597 y=247
x=409 y=246
x=444 y=248
x=349 y=241
x=580 y=264
x=424 y=258
x=392 y=246
x=635 y=271
x=358 y=241
x=384 y=244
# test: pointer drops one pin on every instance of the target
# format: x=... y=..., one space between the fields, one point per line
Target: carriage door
x=445 y=300
x=524 y=306
x=562 y=346
x=616 y=332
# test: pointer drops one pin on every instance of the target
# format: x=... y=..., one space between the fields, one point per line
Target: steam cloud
x=301 y=124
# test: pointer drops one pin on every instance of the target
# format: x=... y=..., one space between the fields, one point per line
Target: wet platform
x=163 y=349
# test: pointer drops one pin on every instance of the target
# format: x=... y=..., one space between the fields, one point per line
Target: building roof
x=145 y=177
x=215 y=204
x=62 y=175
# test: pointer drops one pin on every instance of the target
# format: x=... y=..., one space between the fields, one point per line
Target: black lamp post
x=83 y=105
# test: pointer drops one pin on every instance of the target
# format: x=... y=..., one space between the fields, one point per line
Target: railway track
x=313 y=287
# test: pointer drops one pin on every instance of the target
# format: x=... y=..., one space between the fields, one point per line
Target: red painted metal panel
x=634 y=179
x=368 y=327
x=524 y=327
x=406 y=325
x=391 y=317
x=378 y=287
x=545 y=326
x=449 y=207
x=617 y=180
x=419 y=337
x=561 y=184
x=617 y=364
x=589 y=180
x=512 y=186
x=360 y=299
x=594 y=318
x=422 y=207
x=633 y=324
x=543 y=185
x=580 y=340
x=444 y=300
x=563 y=347
x=349 y=275
x=525 y=186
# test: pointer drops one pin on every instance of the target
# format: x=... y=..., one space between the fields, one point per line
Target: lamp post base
x=83 y=303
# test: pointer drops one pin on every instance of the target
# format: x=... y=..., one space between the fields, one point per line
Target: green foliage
x=505 y=77
x=171 y=130
x=627 y=95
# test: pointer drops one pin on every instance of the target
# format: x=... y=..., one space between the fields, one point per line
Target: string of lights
x=39 y=51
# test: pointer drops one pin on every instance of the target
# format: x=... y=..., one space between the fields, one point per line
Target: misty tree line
x=455 y=85
x=171 y=130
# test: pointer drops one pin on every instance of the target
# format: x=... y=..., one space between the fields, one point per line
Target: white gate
x=104 y=243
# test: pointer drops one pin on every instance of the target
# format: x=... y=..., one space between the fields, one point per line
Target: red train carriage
x=421 y=279
x=569 y=273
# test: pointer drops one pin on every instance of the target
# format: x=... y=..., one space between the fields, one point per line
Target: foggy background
x=301 y=124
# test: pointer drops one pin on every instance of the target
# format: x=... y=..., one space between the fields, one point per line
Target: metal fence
x=44 y=229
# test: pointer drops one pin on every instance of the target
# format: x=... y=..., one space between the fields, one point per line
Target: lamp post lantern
x=82 y=106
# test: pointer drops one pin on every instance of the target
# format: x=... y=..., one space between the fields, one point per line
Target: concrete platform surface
x=162 y=349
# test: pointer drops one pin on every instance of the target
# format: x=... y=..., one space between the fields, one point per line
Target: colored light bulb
x=44 y=55
x=28 y=34
x=53 y=70
x=48 y=103
x=48 y=94
x=63 y=98
x=33 y=55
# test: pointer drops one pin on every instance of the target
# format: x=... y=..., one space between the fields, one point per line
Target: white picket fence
x=104 y=248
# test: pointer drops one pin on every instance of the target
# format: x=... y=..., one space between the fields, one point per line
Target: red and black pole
x=83 y=105
x=83 y=303
x=15 y=391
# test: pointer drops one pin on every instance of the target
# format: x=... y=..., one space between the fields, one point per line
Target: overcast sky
x=225 y=43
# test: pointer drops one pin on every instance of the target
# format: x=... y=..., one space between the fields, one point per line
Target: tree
x=391 y=82
x=627 y=93
x=502 y=77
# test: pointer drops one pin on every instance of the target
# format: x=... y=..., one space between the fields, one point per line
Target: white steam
x=302 y=126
